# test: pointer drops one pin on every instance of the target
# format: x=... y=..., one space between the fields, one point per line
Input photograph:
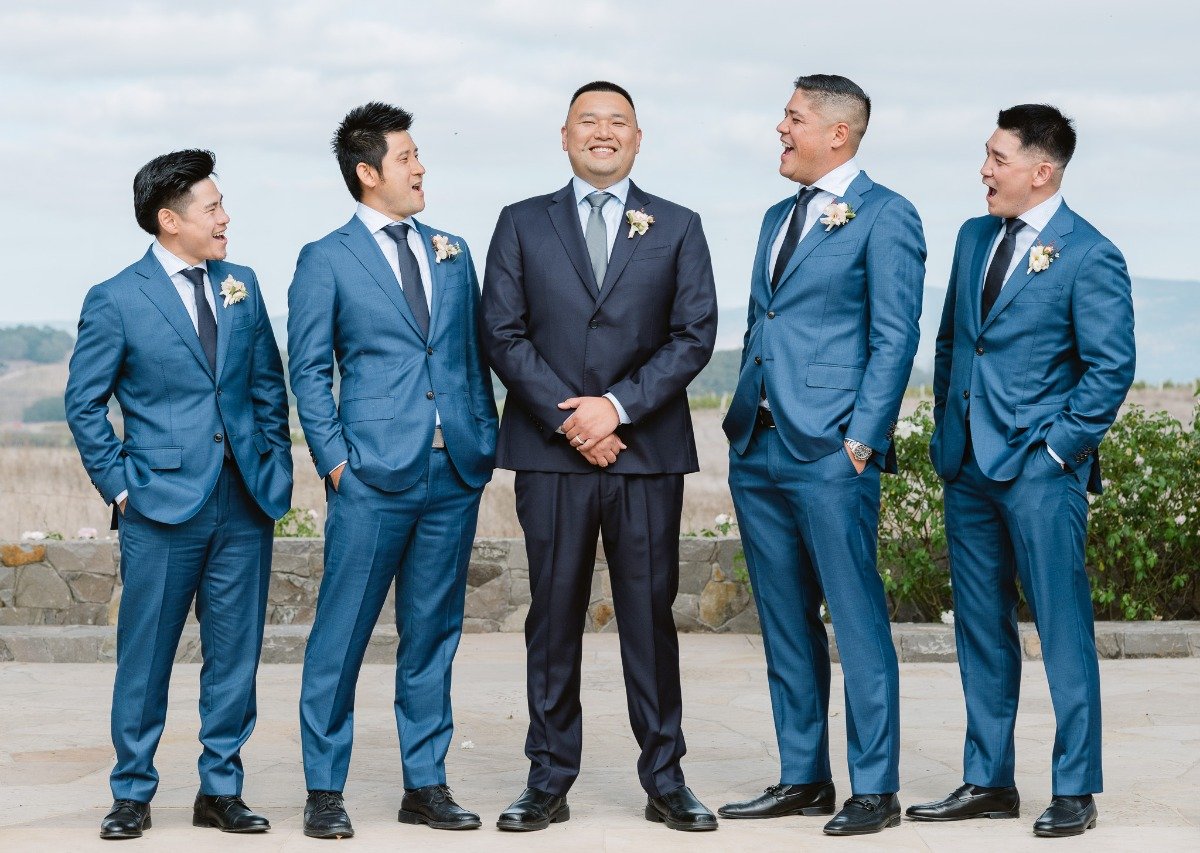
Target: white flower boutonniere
x=1040 y=257
x=233 y=291
x=443 y=249
x=639 y=222
x=836 y=215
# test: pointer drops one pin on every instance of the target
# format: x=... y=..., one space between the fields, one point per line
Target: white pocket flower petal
x=233 y=291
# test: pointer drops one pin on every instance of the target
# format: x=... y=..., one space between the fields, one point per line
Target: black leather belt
x=764 y=418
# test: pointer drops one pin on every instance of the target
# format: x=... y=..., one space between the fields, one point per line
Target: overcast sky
x=91 y=91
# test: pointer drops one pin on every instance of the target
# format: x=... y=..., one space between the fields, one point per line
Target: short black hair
x=834 y=90
x=167 y=181
x=600 y=86
x=362 y=138
x=1042 y=127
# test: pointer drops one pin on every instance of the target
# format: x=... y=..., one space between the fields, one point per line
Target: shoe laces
x=227 y=802
x=327 y=800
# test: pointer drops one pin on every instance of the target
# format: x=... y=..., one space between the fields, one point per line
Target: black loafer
x=1066 y=816
x=325 y=816
x=679 y=809
x=228 y=814
x=532 y=810
x=817 y=798
x=434 y=806
x=126 y=819
x=864 y=814
x=971 y=801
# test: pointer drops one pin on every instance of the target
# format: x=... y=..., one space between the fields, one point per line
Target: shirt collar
x=170 y=261
x=376 y=221
x=838 y=181
x=1039 y=217
x=620 y=190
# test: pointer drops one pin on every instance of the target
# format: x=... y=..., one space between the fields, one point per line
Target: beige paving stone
x=55 y=757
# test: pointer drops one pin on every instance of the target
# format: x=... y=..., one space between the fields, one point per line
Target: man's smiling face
x=601 y=138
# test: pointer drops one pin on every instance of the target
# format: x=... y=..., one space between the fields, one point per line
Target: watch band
x=859 y=451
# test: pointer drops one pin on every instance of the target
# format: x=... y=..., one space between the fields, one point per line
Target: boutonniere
x=1040 y=257
x=233 y=291
x=443 y=249
x=639 y=221
x=836 y=215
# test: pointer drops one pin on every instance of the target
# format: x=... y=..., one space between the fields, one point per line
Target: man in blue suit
x=835 y=296
x=405 y=450
x=183 y=340
x=1035 y=354
x=598 y=309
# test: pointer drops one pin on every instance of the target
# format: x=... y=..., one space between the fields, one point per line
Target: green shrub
x=297 y=522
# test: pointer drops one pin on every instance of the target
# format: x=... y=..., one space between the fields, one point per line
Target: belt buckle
x=439 y=440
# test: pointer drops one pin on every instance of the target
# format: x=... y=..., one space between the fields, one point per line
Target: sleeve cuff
x=117 y=500
x=621 y=413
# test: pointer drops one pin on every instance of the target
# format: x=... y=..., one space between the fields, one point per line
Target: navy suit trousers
x=221 y=557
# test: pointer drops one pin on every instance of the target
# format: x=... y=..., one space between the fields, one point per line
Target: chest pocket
x=1040 y=291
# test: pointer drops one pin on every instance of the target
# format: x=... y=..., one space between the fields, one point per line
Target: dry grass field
x=45 y=488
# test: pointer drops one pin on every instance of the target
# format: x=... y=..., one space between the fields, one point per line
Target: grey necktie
x=597 y=236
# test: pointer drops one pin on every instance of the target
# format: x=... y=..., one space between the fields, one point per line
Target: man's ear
x=168 y=221
x=1043 y=174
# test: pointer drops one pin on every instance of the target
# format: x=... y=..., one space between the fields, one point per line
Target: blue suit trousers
x=419 y=539
x=221 y=557
x=1033 y=527
x=809 y=533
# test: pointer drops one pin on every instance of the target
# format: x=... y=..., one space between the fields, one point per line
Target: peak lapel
x=162 y=293
x=624 y=246
x=362 y=245
x=564 y=214
x=1054 y=233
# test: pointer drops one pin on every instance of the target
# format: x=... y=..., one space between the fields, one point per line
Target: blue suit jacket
x=345 y=303
x=834 y=344
x=643 y=336
x=137 y=341
x=1052 y=361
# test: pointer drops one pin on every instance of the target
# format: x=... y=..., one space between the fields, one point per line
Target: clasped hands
x=590 y=428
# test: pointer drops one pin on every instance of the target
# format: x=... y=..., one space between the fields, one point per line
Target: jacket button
x=429 y=351
x=428 y=395
x=593 y=325
x=966 y=395
x=757 y=359
x=218 y=438
x=978 y=350
x=218 y=392
x=770 y=315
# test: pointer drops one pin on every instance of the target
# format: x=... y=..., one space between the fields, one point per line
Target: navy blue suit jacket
x=345 y=304
x=833 y=345
x=643 y=337
x=137 y=341
x=1051 y=362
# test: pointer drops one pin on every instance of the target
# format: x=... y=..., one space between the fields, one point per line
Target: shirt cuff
x=621 y=413
x=1055 y=456
x=117 y=500
x=337 y=466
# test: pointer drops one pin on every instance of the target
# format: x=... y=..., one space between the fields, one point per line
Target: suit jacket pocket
x=161 y=458
x=649 y=253
x=1031 y=414
x=261 y=444
x=367 y=409
x=834 y=376
x=1040 y=291
x=838 y=247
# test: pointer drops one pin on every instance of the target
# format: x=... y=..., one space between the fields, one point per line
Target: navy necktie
x=792 y=238
x=206 y=323
x=410 y=276
x=998 y=268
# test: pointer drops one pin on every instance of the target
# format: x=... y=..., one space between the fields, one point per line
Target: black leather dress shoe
x=863 y=814
x=228 y=814
x=782 y=800
x=1066 y=816
x=325 y=816
x=126 y=819
x=434 y=806
x=679 y=809
x=971 y=801
x=532 y=810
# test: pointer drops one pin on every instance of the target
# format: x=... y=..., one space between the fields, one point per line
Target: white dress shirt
x=1036 y=219
x=174 y=267
x=832 y=187
x=376 y=222
x=613 y=212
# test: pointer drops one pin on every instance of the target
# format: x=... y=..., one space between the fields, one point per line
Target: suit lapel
x=216 y=275
x=624 y=246
x=853 y=197
x=760 y=281
x=1053 y=234
x=436 y=275
x=362 y=245
x=162 y=293
x=989 y=230
x=564 y=214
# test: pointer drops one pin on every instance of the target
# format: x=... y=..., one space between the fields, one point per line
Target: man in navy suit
x=598 y=309
x=405 y=450
x=1035 y=354
x=183 y=340
x=835 y=296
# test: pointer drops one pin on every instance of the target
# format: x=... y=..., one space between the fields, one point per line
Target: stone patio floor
x=55 y=756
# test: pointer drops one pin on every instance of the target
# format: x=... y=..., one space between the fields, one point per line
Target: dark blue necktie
x=792 y=238
x=998 y=268
x=410 y=276
x=206 y=323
